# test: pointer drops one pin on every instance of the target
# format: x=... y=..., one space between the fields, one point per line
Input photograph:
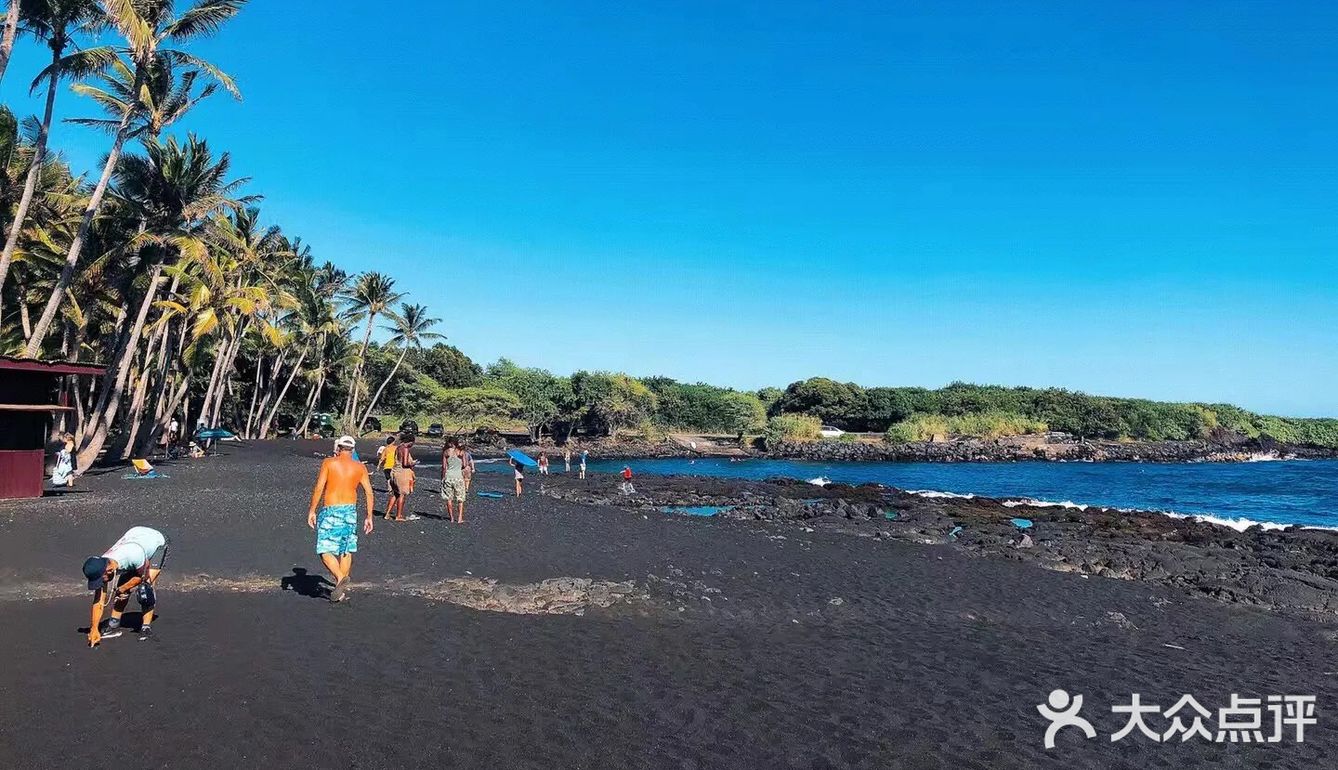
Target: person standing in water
x=566 y=459
x=336 y=524
x=584 y=454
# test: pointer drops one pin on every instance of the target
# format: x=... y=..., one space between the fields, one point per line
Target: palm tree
x=246 y=279
x=372 y=295
x=54 y=21
x=315 y=319
x=146 y=26
x=7 y=37
x=410 y=329
x=173 y=187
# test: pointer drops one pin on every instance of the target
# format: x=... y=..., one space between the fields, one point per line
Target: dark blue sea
x=1282 y=492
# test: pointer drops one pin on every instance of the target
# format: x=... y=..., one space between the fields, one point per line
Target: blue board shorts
x=337 y=529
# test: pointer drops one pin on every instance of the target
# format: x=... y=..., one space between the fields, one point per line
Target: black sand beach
x=661 y=640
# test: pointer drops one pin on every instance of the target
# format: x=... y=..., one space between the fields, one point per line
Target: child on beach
x=63 y=474
x=543 y=464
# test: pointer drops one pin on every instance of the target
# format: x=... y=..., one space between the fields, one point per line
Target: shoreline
x=1009 y=449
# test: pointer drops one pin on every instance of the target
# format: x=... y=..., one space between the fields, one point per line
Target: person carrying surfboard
x=520 y=476
x=125 y=567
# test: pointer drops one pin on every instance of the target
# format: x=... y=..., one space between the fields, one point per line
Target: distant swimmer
x=125 y=567
x=336 y=524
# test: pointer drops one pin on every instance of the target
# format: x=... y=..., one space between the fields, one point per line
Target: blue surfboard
x=522 y=458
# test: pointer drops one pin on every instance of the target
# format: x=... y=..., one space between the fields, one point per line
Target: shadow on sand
x=305 y=584
x=130 y=621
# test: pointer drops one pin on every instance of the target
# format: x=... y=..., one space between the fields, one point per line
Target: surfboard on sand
x=522 y=458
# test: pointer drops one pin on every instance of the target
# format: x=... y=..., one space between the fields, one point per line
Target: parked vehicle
x=435 y=430
x=830 y=431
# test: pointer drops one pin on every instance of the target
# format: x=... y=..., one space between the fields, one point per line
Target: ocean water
x=1234 y=494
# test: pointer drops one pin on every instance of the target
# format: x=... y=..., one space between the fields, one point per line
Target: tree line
x=914 y=414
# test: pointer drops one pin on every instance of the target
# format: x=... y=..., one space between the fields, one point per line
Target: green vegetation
x=792 y=427
x=936 y=427
x=916 y=414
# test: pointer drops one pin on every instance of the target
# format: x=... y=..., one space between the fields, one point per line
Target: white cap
x=345 y=441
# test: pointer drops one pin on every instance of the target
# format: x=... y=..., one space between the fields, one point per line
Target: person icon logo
x=1062 y=711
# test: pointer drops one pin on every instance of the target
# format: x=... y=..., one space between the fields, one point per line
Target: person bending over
x=336 y=524
x=125 y=567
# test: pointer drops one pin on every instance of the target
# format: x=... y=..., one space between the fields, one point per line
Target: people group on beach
x=127 y=568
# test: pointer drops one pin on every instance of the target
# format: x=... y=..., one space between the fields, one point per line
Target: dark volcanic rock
x=1292 y=570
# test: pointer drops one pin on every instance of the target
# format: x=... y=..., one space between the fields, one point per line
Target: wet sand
x=660 y=641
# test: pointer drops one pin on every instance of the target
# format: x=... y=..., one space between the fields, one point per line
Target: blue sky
x=1125 y=198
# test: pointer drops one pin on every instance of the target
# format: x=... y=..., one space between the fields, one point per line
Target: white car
x=829 y=431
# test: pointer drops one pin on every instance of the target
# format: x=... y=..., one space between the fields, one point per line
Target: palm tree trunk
x=278 y=402
x=139 y=401
x=110 y=402
x=351 y=406
x=372 y=404
x=85 y=224
x=255 y=396
x=161 y=415
x=267 y=396
x=313 y=402
x=219 y=350
x=30 y=185
x=7 y=38
x=225 y=376
x=23 y=318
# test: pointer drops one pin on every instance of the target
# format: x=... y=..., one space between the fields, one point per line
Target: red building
x=28 y=398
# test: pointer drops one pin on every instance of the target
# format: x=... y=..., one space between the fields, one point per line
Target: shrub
x=792 y=427
x=932 y=427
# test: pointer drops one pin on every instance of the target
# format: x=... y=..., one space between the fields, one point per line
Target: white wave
x=933 y=493
x=1239 y=524
x=1030 y=503
x=820 y=481
x=1265 y=457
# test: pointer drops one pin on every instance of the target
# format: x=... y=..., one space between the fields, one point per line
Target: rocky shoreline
x=1292 y=570
x=1032 y=448
x=1007 y=449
